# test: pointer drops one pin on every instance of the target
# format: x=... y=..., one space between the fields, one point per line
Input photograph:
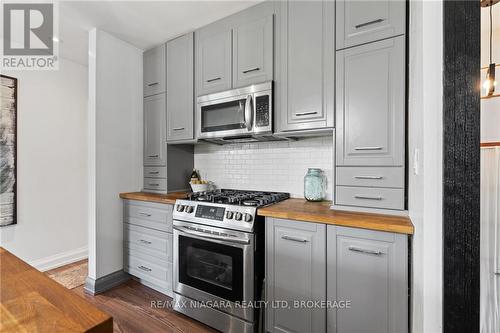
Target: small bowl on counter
x=201 y=187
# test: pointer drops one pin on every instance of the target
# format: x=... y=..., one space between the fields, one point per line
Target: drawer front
x=155 y=271
x=155 y=184
x=155 y=172
x=149 y=215
x=370 y=176
x=148 y=241
x=388 y=198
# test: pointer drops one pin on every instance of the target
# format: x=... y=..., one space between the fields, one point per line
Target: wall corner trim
x=102 y=284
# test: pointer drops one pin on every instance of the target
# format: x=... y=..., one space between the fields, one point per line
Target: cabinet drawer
x=148 y=268
x=388 y=198
x=156 y=184
x=155 y=172
x=148 y=241
x=149 y=215
x=370 y=176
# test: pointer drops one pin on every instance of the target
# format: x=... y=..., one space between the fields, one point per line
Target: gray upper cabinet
x=305 y=58
x=370 y=97
x=213 y=60
x=253 y=52
x=296 y=271
x=154 y=71
x=360 y=22
x=180 y=108
x=154 y=130
x=369 y=269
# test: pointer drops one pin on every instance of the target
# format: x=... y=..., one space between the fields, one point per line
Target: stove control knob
x=237 y=216
x=180 y=208
x=189 y=209
x=248 y=217
x=229 y=215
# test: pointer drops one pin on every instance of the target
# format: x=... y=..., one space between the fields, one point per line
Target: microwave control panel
x=262 y=111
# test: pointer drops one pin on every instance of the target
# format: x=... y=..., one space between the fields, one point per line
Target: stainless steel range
x=219 y=257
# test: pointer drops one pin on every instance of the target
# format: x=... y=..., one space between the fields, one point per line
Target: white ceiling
x=140 y=23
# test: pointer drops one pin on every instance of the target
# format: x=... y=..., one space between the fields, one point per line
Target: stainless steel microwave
x=238 y=115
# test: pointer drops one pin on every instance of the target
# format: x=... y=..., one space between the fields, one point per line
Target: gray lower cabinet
x=148 y=243
x=154 y=71
x=305 y=58
x=370 y=96
x=180 y=87
x=253 y=52
x=213 y=59
x=370 y=270
x=360 y=22
x=295 y=271
x=154 y=130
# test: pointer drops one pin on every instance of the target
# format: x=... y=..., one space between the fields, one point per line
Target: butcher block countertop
x=30 y=301
x=320 y=212
x=168 y=198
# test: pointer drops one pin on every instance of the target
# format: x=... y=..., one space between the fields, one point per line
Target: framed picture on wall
x=8 y=150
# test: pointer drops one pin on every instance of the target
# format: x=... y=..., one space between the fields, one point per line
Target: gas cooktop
x=239 y=197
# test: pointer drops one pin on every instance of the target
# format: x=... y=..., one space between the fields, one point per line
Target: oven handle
x=248 y=113
x=212 y=236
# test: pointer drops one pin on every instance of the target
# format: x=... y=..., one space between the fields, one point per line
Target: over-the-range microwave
x=239 y=115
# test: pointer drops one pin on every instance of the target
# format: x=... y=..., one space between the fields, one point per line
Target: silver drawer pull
x=368 y=23
x=367 y=197
x=153 y=156
x=358 y=249
x=368 y=177
x=144 y=241
x=144 y=268
x=152 y=84
x=154 y=172
x=214 y=79
x=144 y=214
x=251 y=70
x=368 y=148
x=301 y=114
x=497 y=273
x=178 y=129
x=294 y=239
x=155 y=184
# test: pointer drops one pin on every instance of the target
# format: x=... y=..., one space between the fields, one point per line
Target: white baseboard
x=60 y=259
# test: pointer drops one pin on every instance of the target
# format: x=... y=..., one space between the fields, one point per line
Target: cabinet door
x=253 y=52
x=180 y=109
x=360 y=22
x=154 y=71
x=154 y=130
x=213 y=60
x=370 y=90
x=369 y=269
x=305 y=64
x=296 y=257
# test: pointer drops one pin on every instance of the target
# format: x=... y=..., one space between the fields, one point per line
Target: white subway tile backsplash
x=269 y=166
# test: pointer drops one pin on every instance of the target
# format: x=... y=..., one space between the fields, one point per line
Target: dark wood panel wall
x=461 y=174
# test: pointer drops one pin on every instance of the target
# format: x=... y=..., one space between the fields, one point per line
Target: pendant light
x=490 y=82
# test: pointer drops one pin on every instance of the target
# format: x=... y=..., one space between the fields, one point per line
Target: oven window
x=212 y=267
x=223 y=116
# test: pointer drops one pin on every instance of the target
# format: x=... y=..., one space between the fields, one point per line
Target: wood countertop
x=168 y=198
x=30 y=301
x=320 y=212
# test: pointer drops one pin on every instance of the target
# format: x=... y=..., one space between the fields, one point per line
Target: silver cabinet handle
x=214 y=79
x=368 y=23
x=248 y=112
x=251 y=70
x=144 y=241
x=144 y=268
x=152 y=84
x=367 y=197
x=144 y=214
x=294 y=239
x=301 y=114
x=497 y=273
x=358 y=249
x=178 y=129
x=368 y=148
x=367 y=177
x=154 y=172
x=155 y=184
x=153 y=156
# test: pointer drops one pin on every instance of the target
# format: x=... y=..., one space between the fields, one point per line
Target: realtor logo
x=28 y=40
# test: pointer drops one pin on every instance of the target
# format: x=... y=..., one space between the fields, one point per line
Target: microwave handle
x=248 y=112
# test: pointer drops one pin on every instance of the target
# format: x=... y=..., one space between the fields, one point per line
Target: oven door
x=214 y=265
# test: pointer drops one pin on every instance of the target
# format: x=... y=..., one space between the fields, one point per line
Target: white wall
x=52 y=167
x=268 y=166
x=115 y=151
x=425 y=179
x=490 y=108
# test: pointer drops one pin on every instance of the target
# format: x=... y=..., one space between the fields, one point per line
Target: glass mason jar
x=314 y=185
